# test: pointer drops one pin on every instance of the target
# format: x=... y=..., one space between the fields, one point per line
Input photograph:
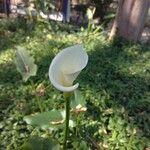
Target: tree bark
x=115 y=24
x=130 y=18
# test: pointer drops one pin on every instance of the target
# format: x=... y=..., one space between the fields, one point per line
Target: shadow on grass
x=109 y=70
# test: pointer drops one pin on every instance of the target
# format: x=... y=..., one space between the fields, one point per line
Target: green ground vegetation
x=115 y=84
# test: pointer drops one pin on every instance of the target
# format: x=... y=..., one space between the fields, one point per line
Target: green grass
x=115 y=84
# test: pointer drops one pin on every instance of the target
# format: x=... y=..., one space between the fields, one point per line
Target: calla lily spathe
x=66 y=66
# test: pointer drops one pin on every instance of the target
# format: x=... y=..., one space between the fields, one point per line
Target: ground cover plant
x=115 y=85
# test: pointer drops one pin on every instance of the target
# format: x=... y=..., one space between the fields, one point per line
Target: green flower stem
x=78 y=125
x=37 y=97
x=67 y=102
x=39 y=102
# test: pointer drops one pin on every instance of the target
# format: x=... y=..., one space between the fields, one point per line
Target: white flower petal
x=66 y=66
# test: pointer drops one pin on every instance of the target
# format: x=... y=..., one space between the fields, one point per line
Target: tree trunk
x=115 y=24
x=130 y=18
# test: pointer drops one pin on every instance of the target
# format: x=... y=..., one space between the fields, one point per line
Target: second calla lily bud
x=66 y=66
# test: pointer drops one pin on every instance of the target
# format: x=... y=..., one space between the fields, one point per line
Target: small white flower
x=66 y=66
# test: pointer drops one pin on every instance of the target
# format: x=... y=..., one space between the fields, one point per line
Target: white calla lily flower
x=66 y=66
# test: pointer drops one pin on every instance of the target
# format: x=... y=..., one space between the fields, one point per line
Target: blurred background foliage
x=104 y=9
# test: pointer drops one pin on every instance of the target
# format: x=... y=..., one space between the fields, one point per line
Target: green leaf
x=51 y=119
x=81 y=145
x=39 y=143
x=78 y=103
x=1 y=86
x=109 y=16
x=45 y=119
x=25 y=64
